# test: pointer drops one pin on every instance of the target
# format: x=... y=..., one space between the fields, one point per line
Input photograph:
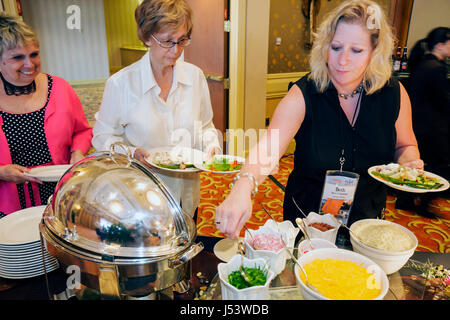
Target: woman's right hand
x=140 y=155
x=232 y=214
x=15 y=173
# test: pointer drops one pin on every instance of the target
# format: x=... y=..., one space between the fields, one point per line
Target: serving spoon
x=308 y=284
x=302 y=225
x=340 y=223
x=241 y=250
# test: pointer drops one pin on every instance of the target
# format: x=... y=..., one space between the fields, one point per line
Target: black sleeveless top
x=323 y=133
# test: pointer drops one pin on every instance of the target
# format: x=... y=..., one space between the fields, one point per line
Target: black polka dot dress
x=28 y=146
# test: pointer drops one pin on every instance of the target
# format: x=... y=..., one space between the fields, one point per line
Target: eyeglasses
x=167 y=44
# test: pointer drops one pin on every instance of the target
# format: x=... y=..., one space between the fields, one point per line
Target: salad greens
x=256 y=277
x=421 y=182
x=223 y=164
x=175 y=166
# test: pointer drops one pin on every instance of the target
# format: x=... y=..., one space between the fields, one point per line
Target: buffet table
x=405 y=284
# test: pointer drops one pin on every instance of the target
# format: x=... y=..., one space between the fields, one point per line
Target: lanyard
x=358 y=104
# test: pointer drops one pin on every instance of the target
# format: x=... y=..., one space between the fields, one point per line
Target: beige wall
x=288 y=23
x=71 y=53
x=426 y=15
x=120 y=29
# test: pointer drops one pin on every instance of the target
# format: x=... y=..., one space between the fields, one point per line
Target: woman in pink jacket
x=42 y=121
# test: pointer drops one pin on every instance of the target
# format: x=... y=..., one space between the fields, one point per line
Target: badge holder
x=338 y=193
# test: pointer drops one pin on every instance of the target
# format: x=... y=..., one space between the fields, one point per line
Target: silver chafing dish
x=116 y=220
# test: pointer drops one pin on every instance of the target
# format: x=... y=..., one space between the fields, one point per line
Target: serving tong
x=241 y=251
x=308 y=284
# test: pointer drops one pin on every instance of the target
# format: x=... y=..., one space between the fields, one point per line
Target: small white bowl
x=276 y=260
x=288 y=228
x=305 y=247
x=230 y=292
x=339 y=254
x=329 y=219
x=389 y=261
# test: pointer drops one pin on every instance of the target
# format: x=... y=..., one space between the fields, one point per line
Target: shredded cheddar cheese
x=341 y=280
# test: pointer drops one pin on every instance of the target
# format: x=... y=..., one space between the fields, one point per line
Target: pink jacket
x=66 y=129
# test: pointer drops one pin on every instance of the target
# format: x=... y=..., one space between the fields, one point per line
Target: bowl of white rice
x=387 y=243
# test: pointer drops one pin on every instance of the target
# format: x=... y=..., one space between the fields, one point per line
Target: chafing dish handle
x=188 y=255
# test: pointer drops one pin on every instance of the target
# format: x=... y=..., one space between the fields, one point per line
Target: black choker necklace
x=11 y=89
x=351 y=95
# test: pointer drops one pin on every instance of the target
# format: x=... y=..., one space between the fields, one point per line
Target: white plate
x=21 y=227
x=24 y=275
x=203 y=166
x=37 y=256
x=20 y=252
x=24 y=258
x=49 y=173
x=189 y=156
x=28 y=267
x=226 y=248
x=445 y=183
x=20 y=247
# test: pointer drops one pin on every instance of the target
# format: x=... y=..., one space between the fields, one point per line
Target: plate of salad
x=222 y=164
x=178 y=159
x=408 y=179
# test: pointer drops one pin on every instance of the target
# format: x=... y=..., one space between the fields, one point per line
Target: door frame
x=10 y=6
x=247 y=93
x=236 y=64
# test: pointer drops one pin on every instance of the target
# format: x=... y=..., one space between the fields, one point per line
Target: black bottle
x=397 y=60
x=404 y=61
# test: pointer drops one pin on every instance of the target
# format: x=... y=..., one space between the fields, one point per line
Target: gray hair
x=14 y=32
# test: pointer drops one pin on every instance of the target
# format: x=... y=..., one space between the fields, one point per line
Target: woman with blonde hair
x=347 y=114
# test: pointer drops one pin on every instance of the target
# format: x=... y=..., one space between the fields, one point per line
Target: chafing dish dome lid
x=111 y=205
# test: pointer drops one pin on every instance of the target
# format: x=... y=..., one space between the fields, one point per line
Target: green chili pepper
x=256 y=277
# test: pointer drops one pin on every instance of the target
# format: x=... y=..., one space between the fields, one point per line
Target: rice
x=383 y=236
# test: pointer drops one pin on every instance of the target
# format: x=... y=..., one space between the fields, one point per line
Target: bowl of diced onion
x=340 y=274
x=234 y=287
x=268 y=244
x=387 y=243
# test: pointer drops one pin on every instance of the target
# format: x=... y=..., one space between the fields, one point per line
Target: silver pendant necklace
x=352 y=94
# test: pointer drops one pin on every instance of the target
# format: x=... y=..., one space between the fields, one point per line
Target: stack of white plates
x=21 y=255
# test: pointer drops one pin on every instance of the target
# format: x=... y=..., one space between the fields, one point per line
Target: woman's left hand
x=418 y=164
x=76 y=156
x=212 y=152
x=140 y=155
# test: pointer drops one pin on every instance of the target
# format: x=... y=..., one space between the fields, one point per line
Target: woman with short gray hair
x=160 y=101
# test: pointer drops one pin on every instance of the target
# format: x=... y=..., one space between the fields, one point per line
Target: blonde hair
x=154 y=15
x=14 y=32
x=368 y=14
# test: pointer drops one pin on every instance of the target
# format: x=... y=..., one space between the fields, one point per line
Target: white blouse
x=133 y=113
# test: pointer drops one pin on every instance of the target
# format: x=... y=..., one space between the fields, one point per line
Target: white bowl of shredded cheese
x=388 y=244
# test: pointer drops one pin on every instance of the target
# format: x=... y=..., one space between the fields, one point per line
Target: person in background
x=348 y=102
x=429 y=91
x=42 y=121
x=160 y=99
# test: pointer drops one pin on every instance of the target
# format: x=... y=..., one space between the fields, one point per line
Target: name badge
x=338 y=194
